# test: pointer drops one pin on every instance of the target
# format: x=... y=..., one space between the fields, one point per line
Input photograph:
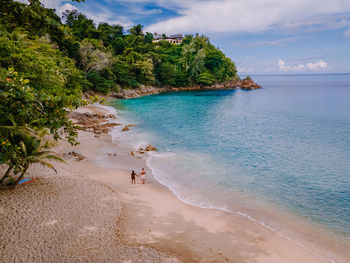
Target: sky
x=260 y=36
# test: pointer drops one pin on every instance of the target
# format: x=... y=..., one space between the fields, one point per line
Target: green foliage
x=26 y=114
x=24 y=147
x=136 y=30
x=165 y=73
x=206 y=78
x=23 y=105
x=107 y=56
x=108 y=33
x=181 y=79
x=100 y=83
x=46 y=67
x=81 y=26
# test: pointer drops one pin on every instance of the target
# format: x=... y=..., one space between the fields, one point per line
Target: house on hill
x=174 y=39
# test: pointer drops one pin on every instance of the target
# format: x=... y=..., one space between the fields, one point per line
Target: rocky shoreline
x=245 y=84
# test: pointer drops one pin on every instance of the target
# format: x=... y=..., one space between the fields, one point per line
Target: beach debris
x=127 y=127
x=132 y=153
x=26 y=180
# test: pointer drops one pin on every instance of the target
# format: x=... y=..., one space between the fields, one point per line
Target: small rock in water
x=126 y=128
x=150 y=148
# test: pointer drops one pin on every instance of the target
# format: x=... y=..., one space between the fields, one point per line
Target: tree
x=81 y=26
x=94 y=57
x=109 y=33
x=121 y=71
x=148 y=38
x=136 y=30
x=118 y=45
x=46 y=67
x=197 y=65
x=24 y=105
x=143 y=70
x=28 y=148
x=165 y=73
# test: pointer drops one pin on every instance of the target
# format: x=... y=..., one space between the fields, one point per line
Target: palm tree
x=32 y=148
x=9 y=130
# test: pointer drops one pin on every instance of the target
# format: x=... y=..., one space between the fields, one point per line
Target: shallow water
x=286 y=146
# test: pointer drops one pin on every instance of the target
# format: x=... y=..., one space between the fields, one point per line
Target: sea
x=283 y=149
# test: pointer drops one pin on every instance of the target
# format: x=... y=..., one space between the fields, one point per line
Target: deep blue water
x=286 y=145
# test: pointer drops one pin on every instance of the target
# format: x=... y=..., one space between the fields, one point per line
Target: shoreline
x=245 y=84
x=152 y=223
x=245 y=216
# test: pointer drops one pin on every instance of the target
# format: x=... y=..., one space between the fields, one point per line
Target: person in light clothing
x=143 y=176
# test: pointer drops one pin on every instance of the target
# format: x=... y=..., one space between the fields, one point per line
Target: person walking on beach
x=133 y=177
x=143 y=176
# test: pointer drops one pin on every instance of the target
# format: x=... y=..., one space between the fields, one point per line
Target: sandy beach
x=90 y=212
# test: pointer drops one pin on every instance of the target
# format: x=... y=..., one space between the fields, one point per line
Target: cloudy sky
x=260 y=36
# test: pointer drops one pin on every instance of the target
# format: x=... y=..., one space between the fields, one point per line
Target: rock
x=249 y=84
x=150 y=148
x=78 y=156
x=126 y=127
x=110 y=116
x=75 y=153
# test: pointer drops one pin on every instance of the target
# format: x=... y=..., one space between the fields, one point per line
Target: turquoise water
x=285 y=146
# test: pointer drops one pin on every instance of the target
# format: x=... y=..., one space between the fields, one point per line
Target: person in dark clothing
x=133 y=177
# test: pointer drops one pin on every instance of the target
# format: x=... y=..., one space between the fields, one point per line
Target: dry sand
x=91 y=213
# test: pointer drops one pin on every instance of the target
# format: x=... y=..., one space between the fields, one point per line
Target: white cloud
x=244 y=15
x=212 y=16
x=319 y=65
x=94 y=11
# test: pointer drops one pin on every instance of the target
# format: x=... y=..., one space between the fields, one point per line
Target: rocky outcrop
x=249 y=84
x=246 y=84
x=92 y=122
x=148 y=148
